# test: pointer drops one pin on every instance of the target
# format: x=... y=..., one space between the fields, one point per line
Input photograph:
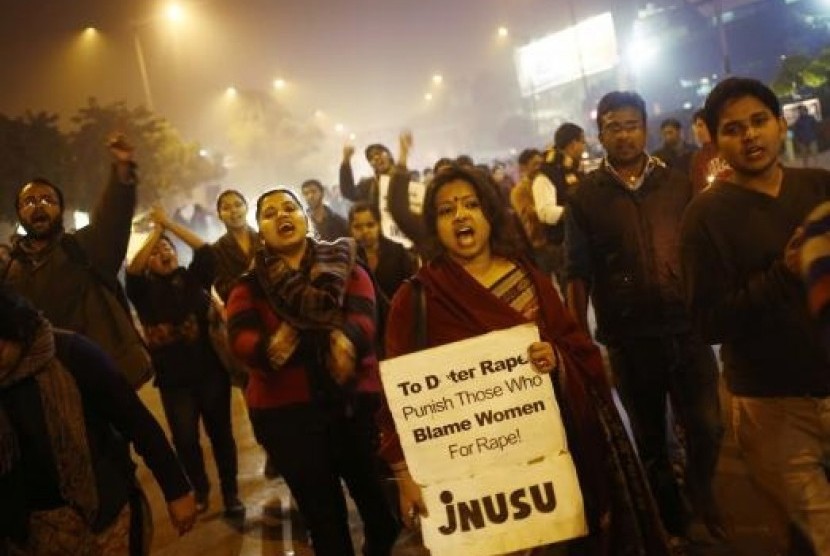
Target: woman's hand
x=409 y=497
x=342 y=358
x=159 y=216
x=282 y=344
x=543 y=357
x=182 y=512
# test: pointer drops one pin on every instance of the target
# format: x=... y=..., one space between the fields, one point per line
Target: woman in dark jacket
x=67 y=483
x=234 y=251
x=303 y=322
x=389 y=260
x=172 y=303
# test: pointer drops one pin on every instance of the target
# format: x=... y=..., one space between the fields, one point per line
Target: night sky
x=364 y=62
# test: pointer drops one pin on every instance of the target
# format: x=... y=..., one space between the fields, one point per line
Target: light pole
x=174 y=14
x=142 y=67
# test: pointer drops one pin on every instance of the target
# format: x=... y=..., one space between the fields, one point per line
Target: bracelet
x=399 y=466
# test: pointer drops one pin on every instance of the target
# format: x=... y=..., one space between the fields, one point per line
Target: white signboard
x=482 y=435
x=387 y=223
x=587 y=48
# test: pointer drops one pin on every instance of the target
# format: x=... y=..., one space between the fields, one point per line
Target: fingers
x=542 y=356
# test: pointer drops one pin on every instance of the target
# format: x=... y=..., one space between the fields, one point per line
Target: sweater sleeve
x=399 y=341
x=578 y=263
x=247 y=335
x=105 y=239
x=348 y=189
x=544 y=199
x=410 y=223
x=117 y=403
x=361 y=319
x=721 y=308
x=202 y=269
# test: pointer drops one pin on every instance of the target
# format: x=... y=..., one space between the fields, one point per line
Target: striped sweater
x=251 y=322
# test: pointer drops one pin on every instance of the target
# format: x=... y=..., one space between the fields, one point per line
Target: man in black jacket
x=72 y=277
x=622 y=232
x=329 y=225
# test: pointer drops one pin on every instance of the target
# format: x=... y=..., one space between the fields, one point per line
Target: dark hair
x=734 y=88
x=442 y=163
x=227 y=193
x=274 y=191
x=670 y=122
x=620 y=99
x=19 y=320
x=363 y=206
x=37 y=181
x=375 y=147
x=526 y=155
x=566 y=134
x=312 y=183
x=169 y=241
x=465 y=160
x=699 y=114
x=503 y=236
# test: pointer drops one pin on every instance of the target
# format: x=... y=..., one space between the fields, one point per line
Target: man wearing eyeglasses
x=72 y=277
x=622 y=249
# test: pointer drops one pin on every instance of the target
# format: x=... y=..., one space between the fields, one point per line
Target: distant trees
x=269 y=143
x=800 y=74
x=34 y=146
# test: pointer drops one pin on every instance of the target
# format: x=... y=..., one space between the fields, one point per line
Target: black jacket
x=625 y=244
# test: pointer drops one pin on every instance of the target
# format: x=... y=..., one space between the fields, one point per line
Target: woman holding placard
x=476 y=282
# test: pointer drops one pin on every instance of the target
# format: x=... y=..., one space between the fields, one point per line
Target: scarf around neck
x=312 y=296
x=64 y=417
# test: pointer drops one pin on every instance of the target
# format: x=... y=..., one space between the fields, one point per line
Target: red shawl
x=459 y=307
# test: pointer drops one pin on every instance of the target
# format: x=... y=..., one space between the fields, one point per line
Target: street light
x=174 y=13
x=279 y=83
x=502 y=32
x=437 y=79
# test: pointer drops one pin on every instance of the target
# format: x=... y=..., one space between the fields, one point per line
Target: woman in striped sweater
x=303 y=322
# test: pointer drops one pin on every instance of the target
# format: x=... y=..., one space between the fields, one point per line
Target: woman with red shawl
x=476 y=282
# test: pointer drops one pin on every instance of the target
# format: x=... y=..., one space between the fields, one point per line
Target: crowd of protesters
x=676 y=251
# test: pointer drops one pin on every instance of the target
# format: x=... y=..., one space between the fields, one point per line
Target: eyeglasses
x=617 y=128
x=44 y=201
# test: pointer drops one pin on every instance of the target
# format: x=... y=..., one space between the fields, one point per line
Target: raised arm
x=106 y=238
x=348 y=189
x=159 y=216
x=410 y=223
x=138 y=265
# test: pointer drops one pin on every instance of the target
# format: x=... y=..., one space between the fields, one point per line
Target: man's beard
x=55 y=227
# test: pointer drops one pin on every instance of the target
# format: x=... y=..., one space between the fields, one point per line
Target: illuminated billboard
x=586 y=48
